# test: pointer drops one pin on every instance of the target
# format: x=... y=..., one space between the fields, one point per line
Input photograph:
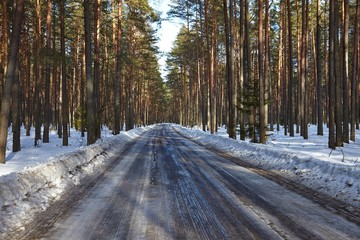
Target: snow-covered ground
x=37 y=176
x=44 y=152
x=310 y=162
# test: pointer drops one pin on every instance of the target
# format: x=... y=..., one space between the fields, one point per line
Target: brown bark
x=4 y=46
x=37 y=74
x=241 y=69
x=82 y=90
x=47 y=112
x=65 y=101
x=28 y=111
x=261 y=74
x=267 y=72
x=355 y=66
x=230 y=69
x=291 y=78
x=332 y=75
x=319 y=78
x=16 y=111
x=117 y=79
x=90 y=118
x=248 y=69
x=280 y=70
x=345 y=70
x=210 y=50
x=338 y=79
x=130 y=81
x=303 y=73
x=202 y=72
x=97 y=67
x=10 y=77
x=285 y=71
x=75 y=95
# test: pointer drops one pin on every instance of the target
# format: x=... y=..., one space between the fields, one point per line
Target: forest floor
x=169 y=182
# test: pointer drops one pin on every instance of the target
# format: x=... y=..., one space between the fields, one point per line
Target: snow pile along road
x=340 y=180
x=25 y=193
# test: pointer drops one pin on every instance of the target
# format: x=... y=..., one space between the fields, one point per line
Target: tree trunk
x=355 y=66
x=338 y=80
x=332 y=75
x=210 y=45
x=230 y=69
x=325 y=42
x=82 y=91
x=65 y=104
x=90 y=116
x=28 y=92
x=209 y=55
x=97 y=67
x=318 y=57
x=280 y=70
x=261 y=74
x=75 y=95
x=37 y=73
x=241 y=69
x=47 y=112
x=291 y=78
x=267 y=73
x=5 y=46
x=345 y=70
x=284 y=70
x=298 y=112
x=10 y=77
x=117 y=79
x=202 y=72
x=303 y=104
x=16 y=110
x=248 y=69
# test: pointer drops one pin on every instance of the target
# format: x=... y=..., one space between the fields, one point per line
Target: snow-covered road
x=165 y=186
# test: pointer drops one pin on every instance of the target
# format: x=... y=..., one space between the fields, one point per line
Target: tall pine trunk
x=90 y=114
x=82 y=90
x=242 y=70
x=229 y=34
x=261 y=74
x=355 y=66
x=303 y=73
x=210 y=50
x=16 y=110
x=280 y=70
x=37 y=74
x=97 y=67
x=338 y=79
x=291 y=75
x=332 y=75
x=117 y=78
x=4 y=48
x=47 y=112
x=320 y=130
x=10 y=77
x=267 y=73
x=345 y=70
x=65 y=104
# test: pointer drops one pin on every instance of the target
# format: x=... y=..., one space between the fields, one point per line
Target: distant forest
x=252 y=66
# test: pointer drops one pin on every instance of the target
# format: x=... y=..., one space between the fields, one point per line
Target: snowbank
x=340 y=180
x=24 y=193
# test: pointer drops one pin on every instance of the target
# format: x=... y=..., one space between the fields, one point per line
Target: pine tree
x=10 y=77
x=90 y=118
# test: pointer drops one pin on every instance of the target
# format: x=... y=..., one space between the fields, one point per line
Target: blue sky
x=168 y=31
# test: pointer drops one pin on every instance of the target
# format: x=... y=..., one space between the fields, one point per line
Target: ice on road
x=165 y=186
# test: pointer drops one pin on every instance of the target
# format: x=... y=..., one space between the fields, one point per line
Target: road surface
x=165 y=186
